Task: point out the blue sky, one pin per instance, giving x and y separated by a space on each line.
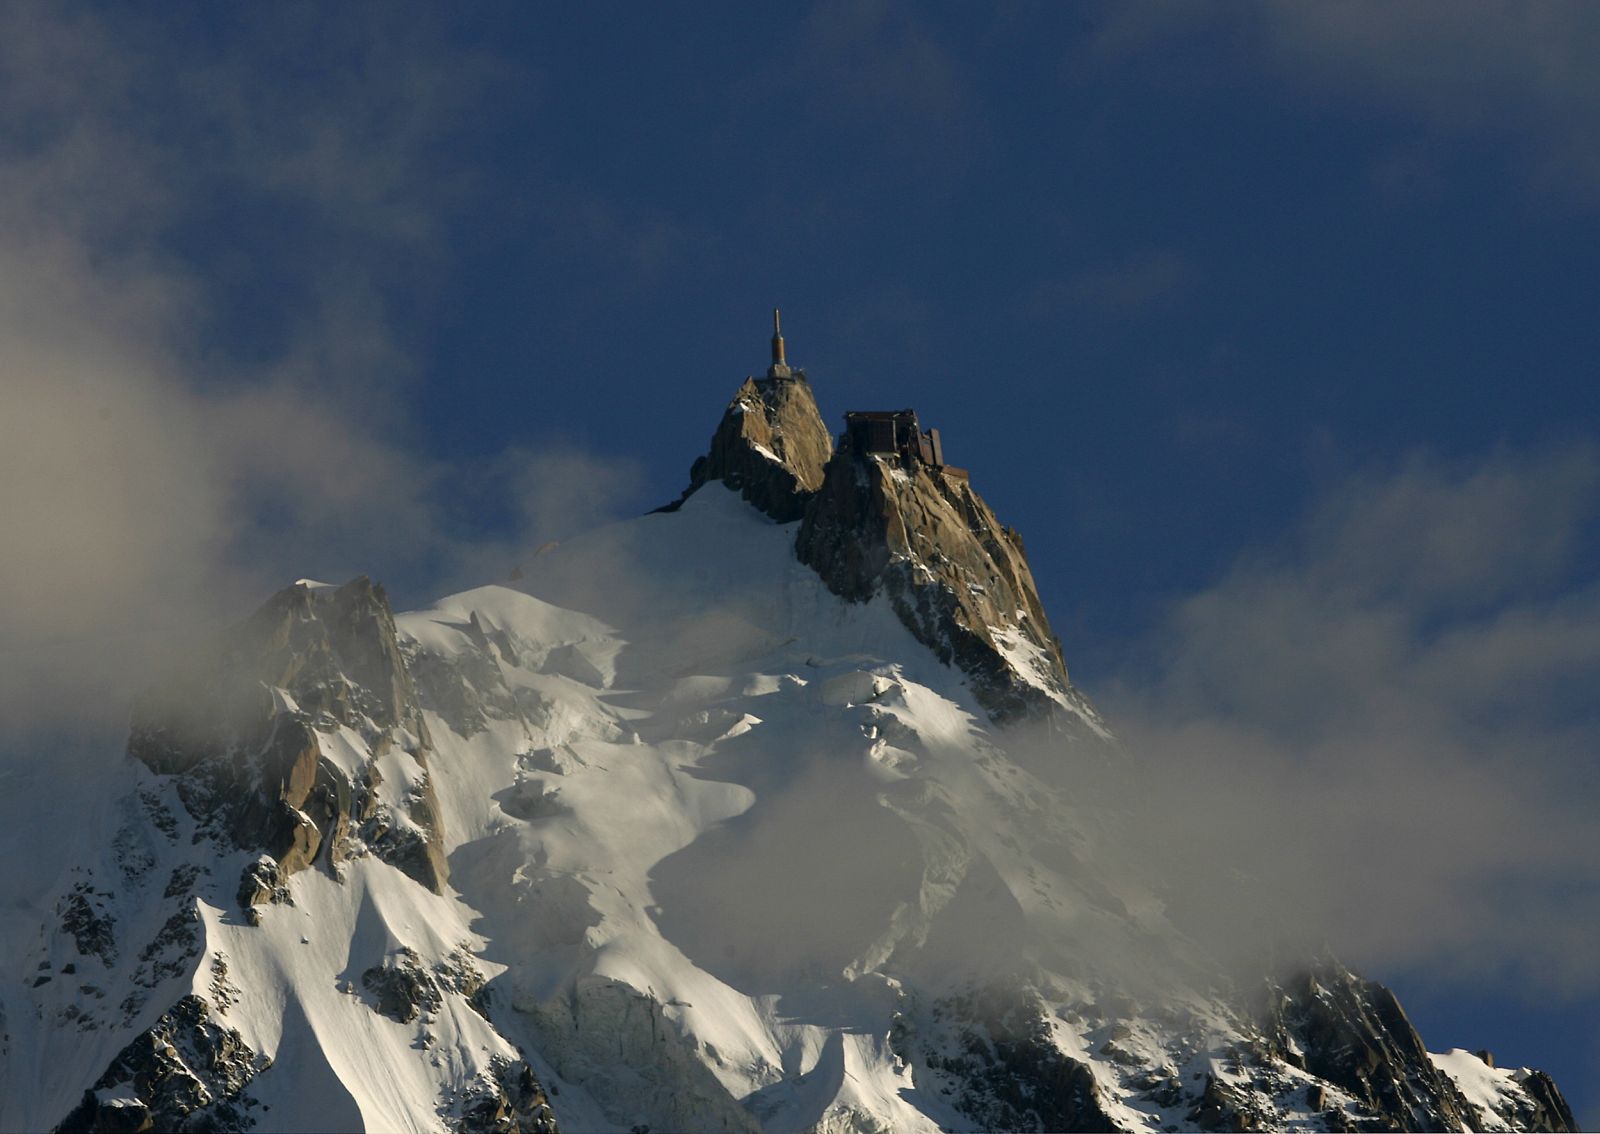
1271 327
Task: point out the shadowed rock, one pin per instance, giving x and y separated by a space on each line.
186 1072
1354 1034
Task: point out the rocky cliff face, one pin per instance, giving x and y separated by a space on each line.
1354 1034
297 740
187 1072
770 446
955 575
1325 1050
255 731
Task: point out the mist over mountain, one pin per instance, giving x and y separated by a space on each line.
773 809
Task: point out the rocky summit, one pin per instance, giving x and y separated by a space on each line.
721 819
771 447
919 534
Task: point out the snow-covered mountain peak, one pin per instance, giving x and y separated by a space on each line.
687 830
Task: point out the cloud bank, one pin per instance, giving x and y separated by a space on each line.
1379 733
190 426
1515 76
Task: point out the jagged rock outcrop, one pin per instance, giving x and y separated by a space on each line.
955 575
512 1103
1546 1108
990 1050
1353 1034
245 727
1222 1107
186 1072
975 965
770 446
403 987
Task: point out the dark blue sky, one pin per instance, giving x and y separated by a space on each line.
1208 298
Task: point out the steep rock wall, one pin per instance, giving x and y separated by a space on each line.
956 576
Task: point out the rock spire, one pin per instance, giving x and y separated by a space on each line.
771 444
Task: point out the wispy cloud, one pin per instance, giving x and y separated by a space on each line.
1517 77
188 426
1385 723
1135 283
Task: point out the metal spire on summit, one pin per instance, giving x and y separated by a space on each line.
779 367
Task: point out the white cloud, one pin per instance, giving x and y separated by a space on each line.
1519 77
1386 721
154 480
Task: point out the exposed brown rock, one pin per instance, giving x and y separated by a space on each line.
512 1103
877 523
770 446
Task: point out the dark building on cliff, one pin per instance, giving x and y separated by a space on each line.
893 432
898 434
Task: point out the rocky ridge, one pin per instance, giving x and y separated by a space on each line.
255 732
186 1072
958 579
1049 1049
298 739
